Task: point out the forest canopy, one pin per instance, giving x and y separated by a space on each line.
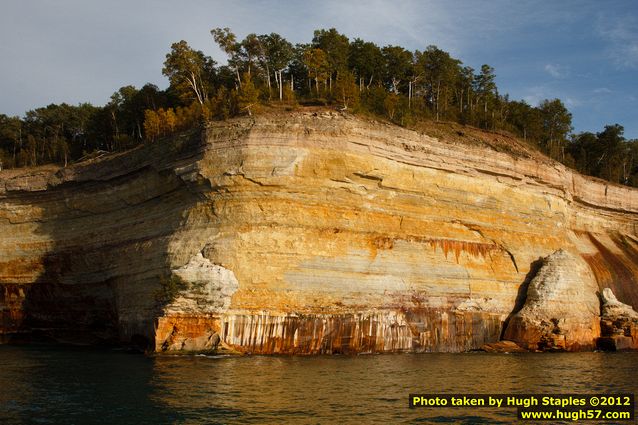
390 82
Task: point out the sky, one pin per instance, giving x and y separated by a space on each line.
582 52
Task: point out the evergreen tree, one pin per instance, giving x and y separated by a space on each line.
366 62
399 68
336 47
557 123
248 95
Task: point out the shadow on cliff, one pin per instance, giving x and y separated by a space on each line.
102 242
615 267
521 295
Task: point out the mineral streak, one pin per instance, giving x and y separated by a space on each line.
301 233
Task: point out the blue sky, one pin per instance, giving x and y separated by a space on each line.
583 52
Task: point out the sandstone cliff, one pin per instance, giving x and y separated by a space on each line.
562 309
300 233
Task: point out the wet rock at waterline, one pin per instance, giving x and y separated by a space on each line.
619 324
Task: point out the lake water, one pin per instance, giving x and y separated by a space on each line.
53 385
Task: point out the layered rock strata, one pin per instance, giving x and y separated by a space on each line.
619 323
562 309
300 233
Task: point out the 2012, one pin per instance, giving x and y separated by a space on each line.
615 401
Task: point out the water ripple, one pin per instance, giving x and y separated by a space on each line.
50 385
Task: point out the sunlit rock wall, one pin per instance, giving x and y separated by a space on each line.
301 233
562 307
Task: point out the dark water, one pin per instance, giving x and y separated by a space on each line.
52 385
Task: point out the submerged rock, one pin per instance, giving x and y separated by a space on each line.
561 311
503 347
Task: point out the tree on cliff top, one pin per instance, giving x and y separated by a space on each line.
227 41
317 63
277 55
248 95
336 47
366 62
189 72
346 91
399 67
557 123
390 82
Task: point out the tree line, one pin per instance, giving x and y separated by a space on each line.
400 85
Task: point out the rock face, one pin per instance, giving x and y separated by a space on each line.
300 233
619 323
562 310
205 294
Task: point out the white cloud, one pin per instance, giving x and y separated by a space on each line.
535 95
622 36
557 71
602 90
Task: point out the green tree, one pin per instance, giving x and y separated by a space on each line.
485 89
587 153
251 52
336 46
248 95
631 177
399 68
189 72
440 73
465 93
316 62
59 131
120 124
557 123
227 41
300 78
614 163
346 91
10 139
366 62
278 53
120 108
525 120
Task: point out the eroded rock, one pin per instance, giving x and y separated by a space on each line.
191 321
619 324
209 288
561 311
